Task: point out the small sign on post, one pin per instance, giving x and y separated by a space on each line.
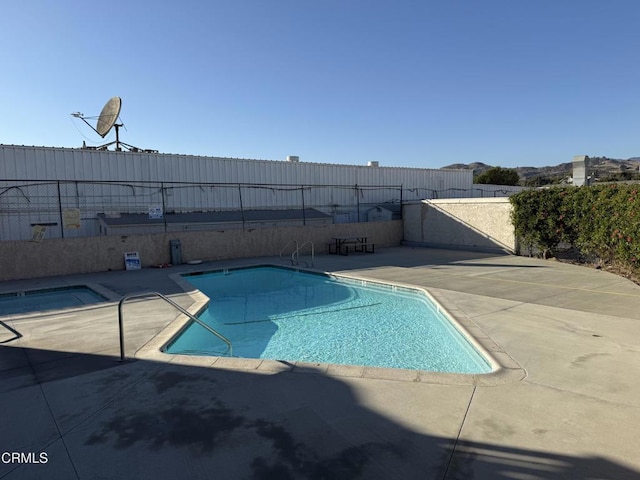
132 261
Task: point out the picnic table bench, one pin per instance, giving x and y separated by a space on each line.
341 245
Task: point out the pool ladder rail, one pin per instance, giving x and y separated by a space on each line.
295 254
171 302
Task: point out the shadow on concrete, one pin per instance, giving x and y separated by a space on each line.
496 265
100 419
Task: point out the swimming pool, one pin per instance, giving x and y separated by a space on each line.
284 314
47 299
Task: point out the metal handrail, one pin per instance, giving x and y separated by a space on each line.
292 254
168 300
297 252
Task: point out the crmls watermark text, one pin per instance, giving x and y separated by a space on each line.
24 457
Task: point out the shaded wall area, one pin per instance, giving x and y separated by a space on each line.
25 259
482 224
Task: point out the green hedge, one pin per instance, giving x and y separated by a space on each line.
601 221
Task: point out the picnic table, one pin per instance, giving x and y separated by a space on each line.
341 245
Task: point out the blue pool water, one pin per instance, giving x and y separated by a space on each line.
283 314
49 299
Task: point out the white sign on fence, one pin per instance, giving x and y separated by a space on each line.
155 212
71 218
38 233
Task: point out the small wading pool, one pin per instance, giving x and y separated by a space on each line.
47 299
283 314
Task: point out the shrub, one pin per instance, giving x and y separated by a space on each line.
601 221
539 218
498 176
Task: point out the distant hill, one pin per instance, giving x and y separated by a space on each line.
601 168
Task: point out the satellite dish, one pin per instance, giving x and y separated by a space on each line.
108 116
106 121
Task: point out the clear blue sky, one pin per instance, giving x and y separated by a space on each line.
407 83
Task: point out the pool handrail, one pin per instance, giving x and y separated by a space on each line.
171 302
297 253
295 242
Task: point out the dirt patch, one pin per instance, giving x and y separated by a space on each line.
574 257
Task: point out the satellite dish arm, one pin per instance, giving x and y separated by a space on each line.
81 117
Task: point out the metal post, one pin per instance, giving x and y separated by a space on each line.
401 202
121 329
60 211
164 212
358 201
241 208
304 218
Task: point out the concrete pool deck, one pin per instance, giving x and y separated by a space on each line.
575 331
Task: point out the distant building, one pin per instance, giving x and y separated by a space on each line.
580 175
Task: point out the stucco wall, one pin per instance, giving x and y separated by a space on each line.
465 223
25 259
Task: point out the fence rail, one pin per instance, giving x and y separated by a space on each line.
36 209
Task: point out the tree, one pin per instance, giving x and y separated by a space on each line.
542 180
499 176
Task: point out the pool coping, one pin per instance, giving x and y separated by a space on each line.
504 368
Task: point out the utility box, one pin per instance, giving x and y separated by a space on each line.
175 250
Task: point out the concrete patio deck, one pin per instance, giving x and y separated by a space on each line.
574 330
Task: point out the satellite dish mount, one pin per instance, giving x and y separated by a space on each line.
106 121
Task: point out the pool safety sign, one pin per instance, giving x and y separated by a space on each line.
132 261
155 212
38 233
71 218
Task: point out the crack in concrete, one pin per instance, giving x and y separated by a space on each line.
455 444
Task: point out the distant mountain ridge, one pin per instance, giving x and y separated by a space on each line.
600 167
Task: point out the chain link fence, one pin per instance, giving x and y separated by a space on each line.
32 210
